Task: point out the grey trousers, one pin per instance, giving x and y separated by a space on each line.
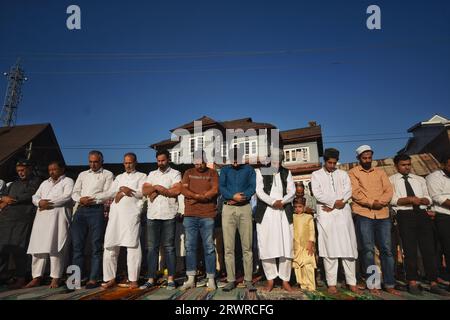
237 218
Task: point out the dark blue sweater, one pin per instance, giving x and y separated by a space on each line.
241 179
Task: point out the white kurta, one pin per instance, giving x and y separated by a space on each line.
50 227
125 216
275 234
336 231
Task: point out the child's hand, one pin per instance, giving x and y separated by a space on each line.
310 248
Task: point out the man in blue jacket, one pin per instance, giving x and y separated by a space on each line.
237 184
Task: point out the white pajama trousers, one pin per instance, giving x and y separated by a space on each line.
40 260
283 271
134 259
331 270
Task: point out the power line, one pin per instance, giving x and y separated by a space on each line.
209 55
121 72
219 54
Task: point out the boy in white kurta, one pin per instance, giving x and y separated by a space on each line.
275 224
336 233
124 224
50 227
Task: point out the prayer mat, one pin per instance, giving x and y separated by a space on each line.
424 296
281 294
115 293
338 296
39 294
426 291
234 294
11 293
362 296
194 294
387 296
74 294
161 294
250 295
317 295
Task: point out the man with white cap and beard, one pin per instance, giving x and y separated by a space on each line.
372 193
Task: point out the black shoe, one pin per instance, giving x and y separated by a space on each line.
230 286
91 285
415 290
436 290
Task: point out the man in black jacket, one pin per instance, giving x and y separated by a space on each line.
16 220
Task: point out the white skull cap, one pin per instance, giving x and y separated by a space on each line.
362 149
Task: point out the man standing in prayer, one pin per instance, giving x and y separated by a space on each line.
90 192
200 187
438 184
162 187
49 236
123 228
410 202
310 201
275 222
237 185
371 194
16 220
336 232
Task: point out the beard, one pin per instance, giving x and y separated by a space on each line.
366 166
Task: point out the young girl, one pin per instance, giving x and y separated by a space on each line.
304 261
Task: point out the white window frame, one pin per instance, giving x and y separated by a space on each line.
175 156
291 155
196 143
248 144
224 150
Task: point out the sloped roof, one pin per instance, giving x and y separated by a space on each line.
301 133
246 123
418 143
14 138
421 164
302 168
206 122
164 143
436 120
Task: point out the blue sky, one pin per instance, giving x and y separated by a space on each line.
139 68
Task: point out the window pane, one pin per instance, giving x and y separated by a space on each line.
224 150
254 147
192 145
199 143
303 154
288 156
247 148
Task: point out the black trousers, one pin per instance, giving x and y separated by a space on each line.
20 259
442 223
416 231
